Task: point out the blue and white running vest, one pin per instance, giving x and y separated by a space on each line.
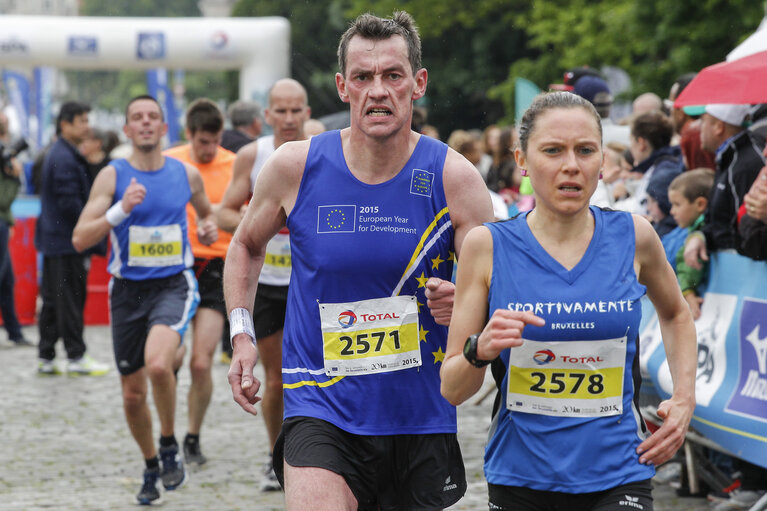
152 242
568 419
361 349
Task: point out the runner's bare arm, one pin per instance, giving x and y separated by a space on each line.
679 340
469 205
92 225
460 379
237 192
207 230
273 198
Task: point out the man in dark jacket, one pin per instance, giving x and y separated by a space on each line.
66 184
738 161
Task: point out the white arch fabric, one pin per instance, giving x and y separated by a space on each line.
258 47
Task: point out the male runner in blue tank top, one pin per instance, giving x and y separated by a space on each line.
141 202
377 214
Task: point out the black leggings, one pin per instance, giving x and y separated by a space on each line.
621 498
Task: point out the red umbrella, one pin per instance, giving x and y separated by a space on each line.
742 81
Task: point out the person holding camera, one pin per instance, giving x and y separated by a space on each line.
9 187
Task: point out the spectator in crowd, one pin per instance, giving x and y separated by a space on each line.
686 123
650 149
503 177
604 196
9 187
752 224
596 91
96 148
658 204
739 159
688 194
647 102
66 184
466 145
490 141
245 117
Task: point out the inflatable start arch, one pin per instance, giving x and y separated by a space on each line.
258 47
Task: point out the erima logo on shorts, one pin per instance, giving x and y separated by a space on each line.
631 502
449 486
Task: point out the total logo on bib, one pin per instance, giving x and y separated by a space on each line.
370 336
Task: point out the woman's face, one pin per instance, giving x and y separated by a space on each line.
563 158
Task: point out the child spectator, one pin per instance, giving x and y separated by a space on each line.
688 194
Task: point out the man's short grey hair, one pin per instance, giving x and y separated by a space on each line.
243 113
374 28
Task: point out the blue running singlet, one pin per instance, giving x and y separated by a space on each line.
568 419
360 348
152 242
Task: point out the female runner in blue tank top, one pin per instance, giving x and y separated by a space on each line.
561 286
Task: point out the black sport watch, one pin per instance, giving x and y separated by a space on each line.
470 352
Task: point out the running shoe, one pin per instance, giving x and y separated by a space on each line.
149 494
23 341
47 367
173 474
269 482
192 453
86 366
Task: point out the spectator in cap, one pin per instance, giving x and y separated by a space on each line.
738 161
245 117
594 89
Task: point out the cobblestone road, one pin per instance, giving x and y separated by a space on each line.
64 444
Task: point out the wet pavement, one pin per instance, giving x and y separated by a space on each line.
64 443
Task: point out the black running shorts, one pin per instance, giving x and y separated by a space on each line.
269 309
138 305
210 279
631 496
387 472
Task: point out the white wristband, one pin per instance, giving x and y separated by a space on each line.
241 322
116 214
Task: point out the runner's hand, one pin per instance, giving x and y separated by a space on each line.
440 295
133 196
663 444
207 231
504 330
244 385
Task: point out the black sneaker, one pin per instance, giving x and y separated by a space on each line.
192 453
173 474
149 493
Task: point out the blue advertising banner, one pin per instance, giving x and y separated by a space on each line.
731 385
17 88
157 85
43 78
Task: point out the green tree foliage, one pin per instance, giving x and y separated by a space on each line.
654 41
315 28
140 8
